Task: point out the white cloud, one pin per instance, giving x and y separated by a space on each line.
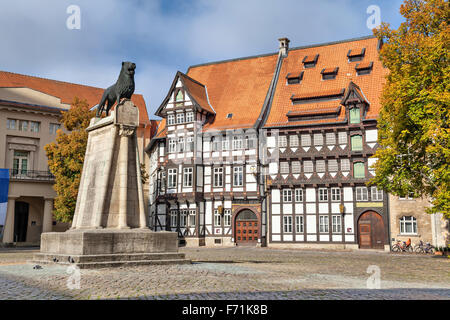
161 37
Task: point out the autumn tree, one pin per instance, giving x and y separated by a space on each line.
66 156
414 133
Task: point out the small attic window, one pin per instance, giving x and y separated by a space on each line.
310 61
294 78
356 55
229 115
329 73
363 68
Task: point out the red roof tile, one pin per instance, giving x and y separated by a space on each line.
65 91
330 55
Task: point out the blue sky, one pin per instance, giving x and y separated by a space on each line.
162 37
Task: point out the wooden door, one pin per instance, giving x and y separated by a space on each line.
246 228
371 231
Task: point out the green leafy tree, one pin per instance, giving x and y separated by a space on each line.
66 156
414 133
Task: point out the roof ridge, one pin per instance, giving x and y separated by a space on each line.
274 53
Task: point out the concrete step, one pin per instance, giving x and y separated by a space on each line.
110 264
108 257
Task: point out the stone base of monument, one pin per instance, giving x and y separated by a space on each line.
109 226
109 248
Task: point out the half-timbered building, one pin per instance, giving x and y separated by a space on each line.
323 120
273 149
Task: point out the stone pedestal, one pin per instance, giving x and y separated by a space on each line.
109 226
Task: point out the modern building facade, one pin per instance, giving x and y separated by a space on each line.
30 110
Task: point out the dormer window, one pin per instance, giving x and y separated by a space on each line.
355 115
294 78
310 61
356 55
363 68
329 73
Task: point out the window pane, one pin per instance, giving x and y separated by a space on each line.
357 143
358 170
354 115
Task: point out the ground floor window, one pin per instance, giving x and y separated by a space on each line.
173 218
408 225
192 216
287 223
337 224
183 218
299 225
227 217
217 218
323 224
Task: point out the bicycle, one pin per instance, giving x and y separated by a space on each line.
427 248
402 247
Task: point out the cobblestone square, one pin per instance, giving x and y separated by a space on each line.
237 273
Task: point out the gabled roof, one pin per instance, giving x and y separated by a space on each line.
238 87
65 91
332 55
196 91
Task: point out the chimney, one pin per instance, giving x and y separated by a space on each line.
284 46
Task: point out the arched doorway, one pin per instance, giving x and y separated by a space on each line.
371 231
247 228
20 221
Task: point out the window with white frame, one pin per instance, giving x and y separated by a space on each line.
170 119
192 217
237 143
376 194
183 218
287 195
408 225
298 195
287 224
336 224
190 143
362 194
284 167
217 219
293 140
282 141
323 194
238 176
227 217
330 138
410 196
345 165
296 167
335 194
299 224
189 116
173 218
306 140
180 145
215 142
35 126
218 177
225 144
342 136
250 142
323 224
172 178
308 166
172 145
180 117
318 139
320 166
187 177
332 165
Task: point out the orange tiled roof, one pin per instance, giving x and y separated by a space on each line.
354 53
330 55
310 58
66 91
238 87
318 94
364 65
197 91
